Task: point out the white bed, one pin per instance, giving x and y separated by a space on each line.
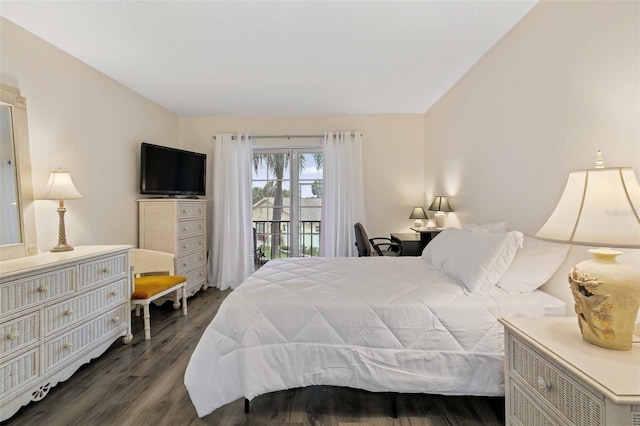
378 324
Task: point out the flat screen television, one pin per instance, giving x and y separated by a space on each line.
171 172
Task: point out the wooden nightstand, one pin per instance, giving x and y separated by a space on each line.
554 377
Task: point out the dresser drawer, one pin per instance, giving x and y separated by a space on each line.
574 402
191 261
101 270
18 371
19 333
191 244
525 411
190 228
66 346
70 311
190 210
196 276
26 292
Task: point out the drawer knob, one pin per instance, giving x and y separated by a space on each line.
184 210
543 384
200 242
184 264
184 228
105 270
199 210
116 319
67 345
43 289
113 293
68 312
200 226
184 246
13 335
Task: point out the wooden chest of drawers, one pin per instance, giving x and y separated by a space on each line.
554 377
57 312
177 226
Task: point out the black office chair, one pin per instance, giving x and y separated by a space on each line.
364 244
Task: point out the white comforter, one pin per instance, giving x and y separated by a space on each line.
379 324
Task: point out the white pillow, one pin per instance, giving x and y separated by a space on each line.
491 227
476 259
533 266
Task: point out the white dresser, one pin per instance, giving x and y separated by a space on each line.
57 312
554 377
177 226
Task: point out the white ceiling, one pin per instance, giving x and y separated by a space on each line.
245 58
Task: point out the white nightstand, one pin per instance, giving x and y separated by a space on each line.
554 377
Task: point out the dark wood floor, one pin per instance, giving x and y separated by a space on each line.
142 384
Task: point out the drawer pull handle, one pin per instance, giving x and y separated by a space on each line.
68 312
542 384
43 289
105 270
13 335
67 345
116 319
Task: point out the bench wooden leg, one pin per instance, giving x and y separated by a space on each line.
184 300
147 323
246 406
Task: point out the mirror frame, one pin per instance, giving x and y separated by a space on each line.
28 244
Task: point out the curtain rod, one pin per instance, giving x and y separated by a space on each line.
287 136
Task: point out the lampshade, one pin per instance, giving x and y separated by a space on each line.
599 207
418 213
59 187
440 204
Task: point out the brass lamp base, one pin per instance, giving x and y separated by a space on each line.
65 247
607 297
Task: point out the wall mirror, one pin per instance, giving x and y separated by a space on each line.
17 216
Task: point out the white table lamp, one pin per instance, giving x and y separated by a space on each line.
599 207
418 214
60 187
441 206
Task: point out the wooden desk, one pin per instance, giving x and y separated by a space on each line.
426 234
410 243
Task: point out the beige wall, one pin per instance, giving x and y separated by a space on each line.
86 123
393 150
562 84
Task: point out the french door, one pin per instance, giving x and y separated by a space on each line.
287 201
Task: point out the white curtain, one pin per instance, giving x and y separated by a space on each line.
343 193
231 259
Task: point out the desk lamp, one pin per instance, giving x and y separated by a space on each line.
418 214
441 206
60 187
599 207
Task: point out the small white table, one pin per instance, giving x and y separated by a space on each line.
554 377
